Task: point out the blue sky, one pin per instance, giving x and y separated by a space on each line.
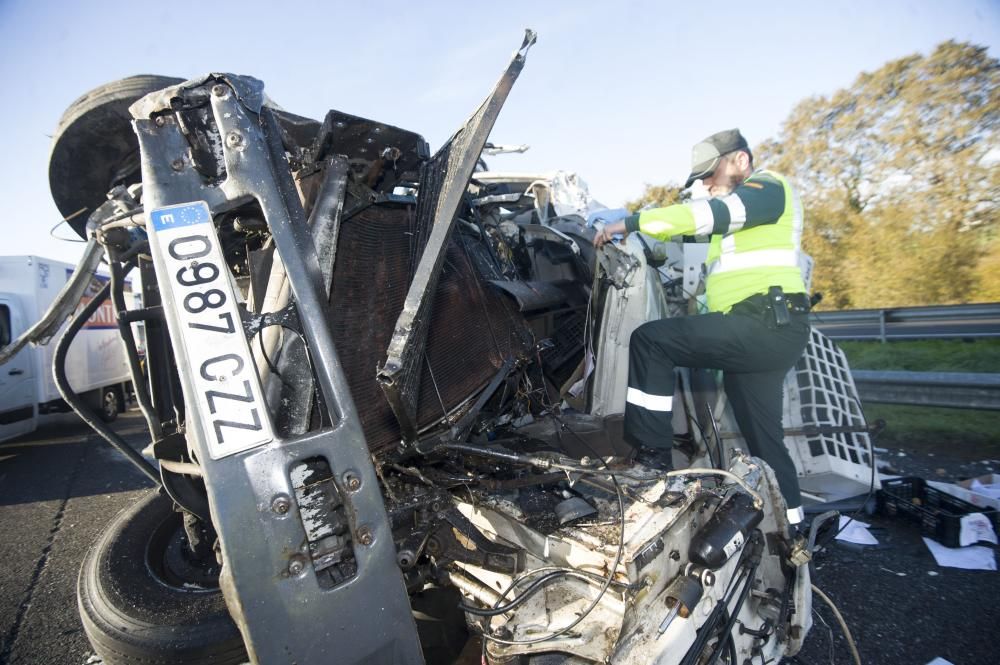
617 92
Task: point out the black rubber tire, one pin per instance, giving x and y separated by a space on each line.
109 403
132 616
93 142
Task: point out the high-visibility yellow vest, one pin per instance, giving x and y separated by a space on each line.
756 236
752 260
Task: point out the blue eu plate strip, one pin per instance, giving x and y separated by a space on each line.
184 214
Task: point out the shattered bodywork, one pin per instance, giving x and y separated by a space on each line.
370 377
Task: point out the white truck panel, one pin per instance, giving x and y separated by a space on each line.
97 356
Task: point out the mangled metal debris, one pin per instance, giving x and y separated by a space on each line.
320 293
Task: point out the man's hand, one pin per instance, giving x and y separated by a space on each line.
609 230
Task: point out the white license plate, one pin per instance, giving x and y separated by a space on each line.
215 358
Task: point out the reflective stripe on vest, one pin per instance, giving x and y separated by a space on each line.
759 258
746 261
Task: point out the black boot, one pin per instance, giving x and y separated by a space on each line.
659 459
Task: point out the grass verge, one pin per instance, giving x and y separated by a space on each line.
962 433
932 355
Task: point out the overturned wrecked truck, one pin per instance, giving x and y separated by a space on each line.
359 367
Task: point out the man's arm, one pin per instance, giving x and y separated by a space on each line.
759 200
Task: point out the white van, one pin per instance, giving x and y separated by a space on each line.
97 366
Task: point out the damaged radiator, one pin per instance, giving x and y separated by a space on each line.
471 331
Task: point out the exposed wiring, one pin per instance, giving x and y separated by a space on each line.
708 628
757 499
687 397
593 577
267 359
120 216
122 224
843 624
586 612
139 384
829 632
64 220
552 573
500 608
532 589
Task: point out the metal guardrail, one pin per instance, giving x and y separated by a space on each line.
973 321
950 389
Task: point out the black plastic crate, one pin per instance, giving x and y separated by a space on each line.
939 514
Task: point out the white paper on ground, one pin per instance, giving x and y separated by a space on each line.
855 532
940 661
976 527
974 557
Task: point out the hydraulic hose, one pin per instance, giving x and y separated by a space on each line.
749 560
125 330
77 404
727 630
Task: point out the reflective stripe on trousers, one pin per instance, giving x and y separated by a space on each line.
647 401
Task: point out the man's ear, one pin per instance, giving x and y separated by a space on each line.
742 161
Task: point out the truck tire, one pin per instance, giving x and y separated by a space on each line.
94 146
109 403
142 605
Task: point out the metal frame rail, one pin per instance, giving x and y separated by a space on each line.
934 322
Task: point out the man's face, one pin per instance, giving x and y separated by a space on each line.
732 170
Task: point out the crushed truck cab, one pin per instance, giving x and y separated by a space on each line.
385 407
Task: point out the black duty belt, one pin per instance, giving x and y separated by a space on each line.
797 302
774 308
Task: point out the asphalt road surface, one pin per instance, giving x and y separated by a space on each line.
60 486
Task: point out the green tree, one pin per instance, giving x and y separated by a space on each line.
899 175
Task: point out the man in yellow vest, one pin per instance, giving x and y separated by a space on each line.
757 325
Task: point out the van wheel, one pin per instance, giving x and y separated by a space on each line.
110 404
144 600
94 147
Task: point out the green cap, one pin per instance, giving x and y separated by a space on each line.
706 153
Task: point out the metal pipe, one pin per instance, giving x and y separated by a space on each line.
758 501
62 307
77 404
473 588
125 330
186 468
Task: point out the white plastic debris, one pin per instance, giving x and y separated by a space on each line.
974 557
976 527
855 532
992 490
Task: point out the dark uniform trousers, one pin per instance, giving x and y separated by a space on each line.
754 355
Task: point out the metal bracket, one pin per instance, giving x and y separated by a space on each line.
271 585
443 183
286 317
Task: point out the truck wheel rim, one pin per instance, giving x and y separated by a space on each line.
110 403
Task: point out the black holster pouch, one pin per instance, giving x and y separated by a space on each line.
779 306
